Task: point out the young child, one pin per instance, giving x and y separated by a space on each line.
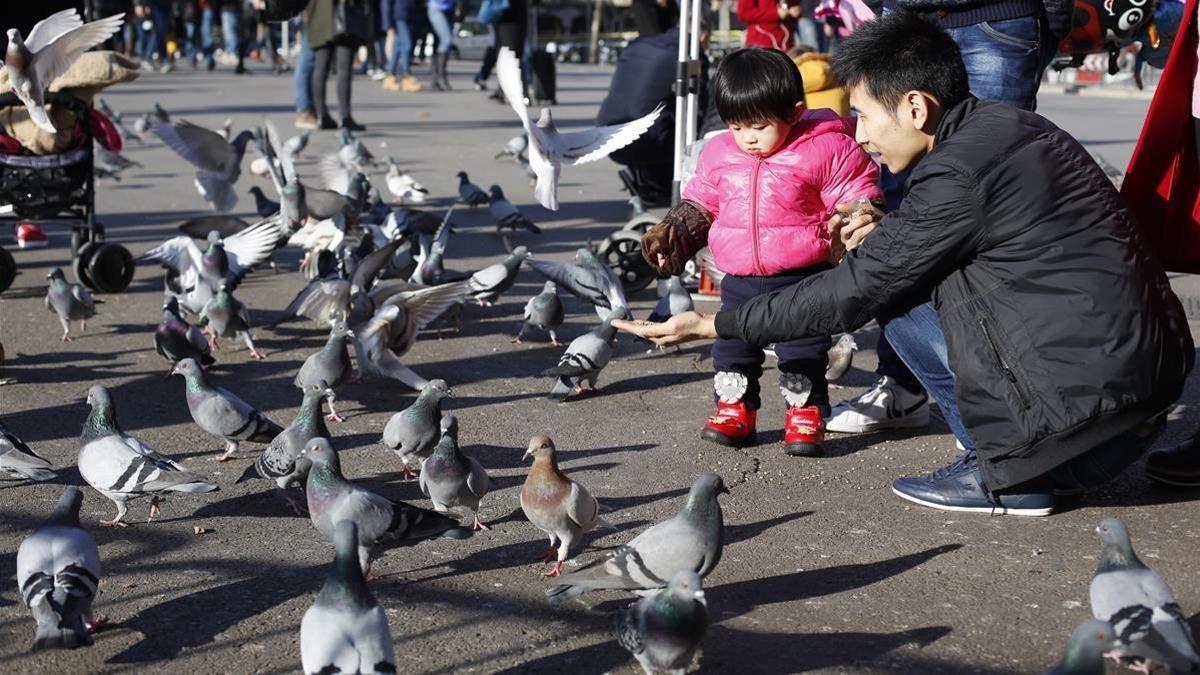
768 188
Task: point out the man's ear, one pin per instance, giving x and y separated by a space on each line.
920 110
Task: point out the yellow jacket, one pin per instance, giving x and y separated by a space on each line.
820 90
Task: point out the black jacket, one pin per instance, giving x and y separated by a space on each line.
1061 327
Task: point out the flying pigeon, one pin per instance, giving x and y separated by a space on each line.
392 331
52 46
195 275
413 432
589 280
345 630
58 572
222 414
227 317
176 339
218 162
329 367
1086 647
664 630
281 462
691 541
122 467
113 163
555 504
549 149
19 461
452 480
486 285
544 311
71 302
471 194
586 356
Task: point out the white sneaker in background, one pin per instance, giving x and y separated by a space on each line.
886 405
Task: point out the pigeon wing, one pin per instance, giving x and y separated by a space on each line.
581 147
54 58
251 246
178 253
203 148
51 27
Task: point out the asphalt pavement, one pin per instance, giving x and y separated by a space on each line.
824 570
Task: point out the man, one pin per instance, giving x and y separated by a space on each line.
1064 339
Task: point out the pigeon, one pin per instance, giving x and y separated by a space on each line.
392 331
218 161
222 414
664 630
840 357
486 285
338 297
294 145
227 317
71 302
585 357
515 147
555 504
33 62
264 206
195 275
1149 624
1085 649
176 339
281 461
381 521
160 114
588 280
329 367
507 215
110 162
402 185
430 269
225 226
345 630
452 480
142 125
122 467
471 194
691 541
58 572
353 152
413 432
544 311
116 118
226 129
676 301
549 149
19 461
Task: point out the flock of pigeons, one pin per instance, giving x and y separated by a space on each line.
376 276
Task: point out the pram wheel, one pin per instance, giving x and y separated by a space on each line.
622 251
641 223
80 263
8 270
111 268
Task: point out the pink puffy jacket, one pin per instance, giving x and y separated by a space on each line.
770 213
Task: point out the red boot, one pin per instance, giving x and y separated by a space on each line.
732 425
804 432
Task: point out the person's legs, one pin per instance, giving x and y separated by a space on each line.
1003 59
230 30
345 66
738 367
439 21
808 33
207 41
322 59
302 78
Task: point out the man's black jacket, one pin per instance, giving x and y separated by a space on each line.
1061 327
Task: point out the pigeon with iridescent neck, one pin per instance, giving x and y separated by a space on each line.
555 504
486 285
329 367
1086 647
587 355
453 481
663 631
71 302
282 462
227 317
176 339
222 414
544 311
413 432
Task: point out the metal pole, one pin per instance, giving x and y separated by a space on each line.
283 34
681 77
693 99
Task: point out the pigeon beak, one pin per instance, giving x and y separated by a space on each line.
699 595
724 490
526 455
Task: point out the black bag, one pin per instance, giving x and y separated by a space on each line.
279 10
351 23
542 88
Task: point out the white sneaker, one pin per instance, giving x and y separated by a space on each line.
887 405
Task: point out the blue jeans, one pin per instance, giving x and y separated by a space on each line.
206 33
1004 59
809 32
400 62
302 77
229 28
439 21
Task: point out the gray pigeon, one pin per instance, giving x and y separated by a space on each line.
227 317
555 504
486 285
841 356
264 206
691 541
507 215
413 432
515 147
122 467
176 339
544 311
392 331
585 357
664 630
345 630
58 571
110 162
588 280
1149 624
329 367
218 162
676 301
452 480
471 194
281 461
19 461
71 302
52 46
381 521
222 414
1086 647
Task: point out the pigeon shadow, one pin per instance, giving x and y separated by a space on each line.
603 657
726 649
739 533
614 504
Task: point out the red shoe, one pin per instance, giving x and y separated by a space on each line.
30 236
804 432
732 425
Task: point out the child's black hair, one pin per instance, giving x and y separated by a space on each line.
902 52
757 85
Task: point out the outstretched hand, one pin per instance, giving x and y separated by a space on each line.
680 328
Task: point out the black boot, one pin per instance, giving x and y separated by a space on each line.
444 69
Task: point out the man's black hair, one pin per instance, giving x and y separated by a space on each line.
757 85
902 52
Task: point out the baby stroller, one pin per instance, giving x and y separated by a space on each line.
62 186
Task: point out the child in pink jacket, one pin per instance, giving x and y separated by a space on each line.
769 185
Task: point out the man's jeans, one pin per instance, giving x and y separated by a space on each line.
302 77
400 63
230 29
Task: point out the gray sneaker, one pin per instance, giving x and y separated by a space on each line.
306 120
886 405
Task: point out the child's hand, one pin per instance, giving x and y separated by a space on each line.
849 226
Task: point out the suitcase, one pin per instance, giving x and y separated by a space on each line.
542 89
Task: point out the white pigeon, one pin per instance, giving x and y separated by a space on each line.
549 149
403 186
218 161
194 276
35 61
392 331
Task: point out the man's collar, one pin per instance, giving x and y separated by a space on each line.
953 118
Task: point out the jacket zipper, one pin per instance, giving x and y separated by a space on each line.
1012 378
754 215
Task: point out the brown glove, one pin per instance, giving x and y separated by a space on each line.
680 235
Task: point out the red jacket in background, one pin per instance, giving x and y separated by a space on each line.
1162 184
764 28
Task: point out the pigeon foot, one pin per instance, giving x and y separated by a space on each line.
154 510
555 571
478 524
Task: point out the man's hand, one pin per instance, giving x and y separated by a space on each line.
849 226
680 328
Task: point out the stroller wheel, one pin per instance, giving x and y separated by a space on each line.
111 268
8 270
640 223
622 251
80 264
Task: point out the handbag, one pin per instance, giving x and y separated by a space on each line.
490 10
351 24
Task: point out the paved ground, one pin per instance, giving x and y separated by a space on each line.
824 569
